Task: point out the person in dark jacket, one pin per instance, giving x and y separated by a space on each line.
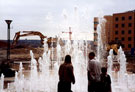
66 75
6 69
105 80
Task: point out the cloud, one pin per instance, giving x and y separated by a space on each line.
49 16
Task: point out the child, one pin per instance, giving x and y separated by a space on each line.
105 80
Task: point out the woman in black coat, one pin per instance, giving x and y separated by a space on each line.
66 75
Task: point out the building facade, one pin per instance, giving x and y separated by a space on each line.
95 31
120 29
124 29
107 28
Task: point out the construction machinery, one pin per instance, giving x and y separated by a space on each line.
27 33
114 47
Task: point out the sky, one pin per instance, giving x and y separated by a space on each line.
52 17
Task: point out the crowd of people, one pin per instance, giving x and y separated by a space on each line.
98 79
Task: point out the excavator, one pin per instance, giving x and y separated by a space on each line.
115 44
27 33
114 47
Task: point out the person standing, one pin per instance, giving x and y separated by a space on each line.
105 80
93 73
66 75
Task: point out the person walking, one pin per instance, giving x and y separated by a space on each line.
66 75
93 73
105 80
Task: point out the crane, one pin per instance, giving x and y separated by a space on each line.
70 33
27 33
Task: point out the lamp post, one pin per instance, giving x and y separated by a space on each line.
8 38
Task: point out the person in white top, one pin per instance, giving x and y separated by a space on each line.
93 73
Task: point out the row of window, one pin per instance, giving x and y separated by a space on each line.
117 25
123 32
95 22
123 39
129 46
123 25
123 18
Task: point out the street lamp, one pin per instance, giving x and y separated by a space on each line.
8 38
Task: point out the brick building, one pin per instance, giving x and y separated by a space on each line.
95 30
120 28
108 29
124 29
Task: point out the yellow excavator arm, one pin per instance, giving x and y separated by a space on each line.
27 33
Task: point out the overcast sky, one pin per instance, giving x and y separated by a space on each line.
51 17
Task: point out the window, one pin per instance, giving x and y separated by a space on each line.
116 19
123 25
122 32
116 25
95 40
116 39
130 17
129 38
95 22
129 31
129 45
123 46
123 18
95 34
116 32
122 38
130 25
